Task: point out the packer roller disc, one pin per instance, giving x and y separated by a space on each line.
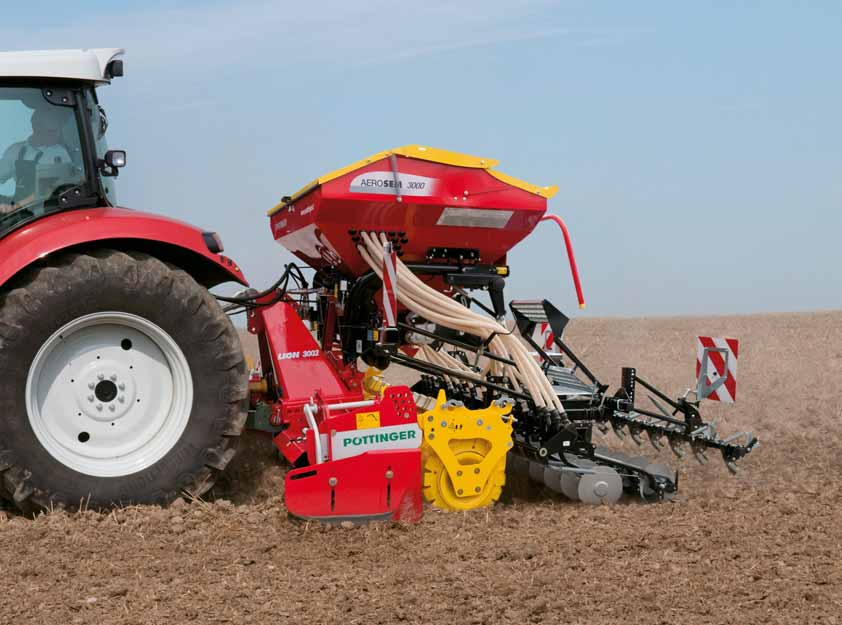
604 486
552 478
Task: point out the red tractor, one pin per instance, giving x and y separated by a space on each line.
125 380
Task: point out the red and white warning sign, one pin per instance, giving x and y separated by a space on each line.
543 335
716 368
390 286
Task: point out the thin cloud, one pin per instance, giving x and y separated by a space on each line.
270 33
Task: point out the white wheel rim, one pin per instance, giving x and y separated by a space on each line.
109 394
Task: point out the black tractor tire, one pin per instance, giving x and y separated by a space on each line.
68 287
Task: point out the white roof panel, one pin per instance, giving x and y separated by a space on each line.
76 64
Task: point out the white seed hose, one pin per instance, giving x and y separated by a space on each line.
438 308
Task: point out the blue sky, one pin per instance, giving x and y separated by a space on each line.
698 149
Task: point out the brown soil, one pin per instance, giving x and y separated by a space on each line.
763 547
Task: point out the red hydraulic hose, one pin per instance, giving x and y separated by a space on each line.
570 256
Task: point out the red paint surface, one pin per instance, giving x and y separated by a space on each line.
316 227
65 229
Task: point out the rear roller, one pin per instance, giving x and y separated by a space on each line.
603 486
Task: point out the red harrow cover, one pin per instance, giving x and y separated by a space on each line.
401 243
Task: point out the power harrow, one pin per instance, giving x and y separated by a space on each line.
400 243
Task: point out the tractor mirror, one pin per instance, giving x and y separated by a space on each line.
113 161
115 158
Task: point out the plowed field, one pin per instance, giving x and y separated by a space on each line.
762 547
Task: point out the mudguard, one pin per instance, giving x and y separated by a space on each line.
118 228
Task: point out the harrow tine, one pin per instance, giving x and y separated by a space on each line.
732 466
618 431
699 453
635 435
655 439
676 446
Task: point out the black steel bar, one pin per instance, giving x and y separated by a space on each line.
420 365
657 415
459 344
569 353
651 388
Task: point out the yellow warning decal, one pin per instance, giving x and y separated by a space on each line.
367 420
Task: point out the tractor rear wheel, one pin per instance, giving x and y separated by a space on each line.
123 382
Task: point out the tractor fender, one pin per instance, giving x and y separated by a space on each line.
117 228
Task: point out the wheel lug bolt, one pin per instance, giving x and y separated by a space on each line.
121 386
90 398
121 399
113 377
91 385
100 376
112 407
99 406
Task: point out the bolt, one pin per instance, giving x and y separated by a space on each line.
90 398
477 489
112 407
121 386
100 376
431 436
99 406
458 474
121 399
444 424
459 492
430 418
333 481
476 470
479 421
389 474
91 385
113 377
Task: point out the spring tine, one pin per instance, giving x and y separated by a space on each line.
732 466
602 427
635 436
655 439
699 453
618 431
676 447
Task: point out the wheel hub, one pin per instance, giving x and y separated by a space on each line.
104 390
109 394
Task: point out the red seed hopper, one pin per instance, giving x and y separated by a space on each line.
433 204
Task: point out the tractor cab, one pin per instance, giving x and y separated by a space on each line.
53 150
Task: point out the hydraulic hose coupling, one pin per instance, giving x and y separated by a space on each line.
556 421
